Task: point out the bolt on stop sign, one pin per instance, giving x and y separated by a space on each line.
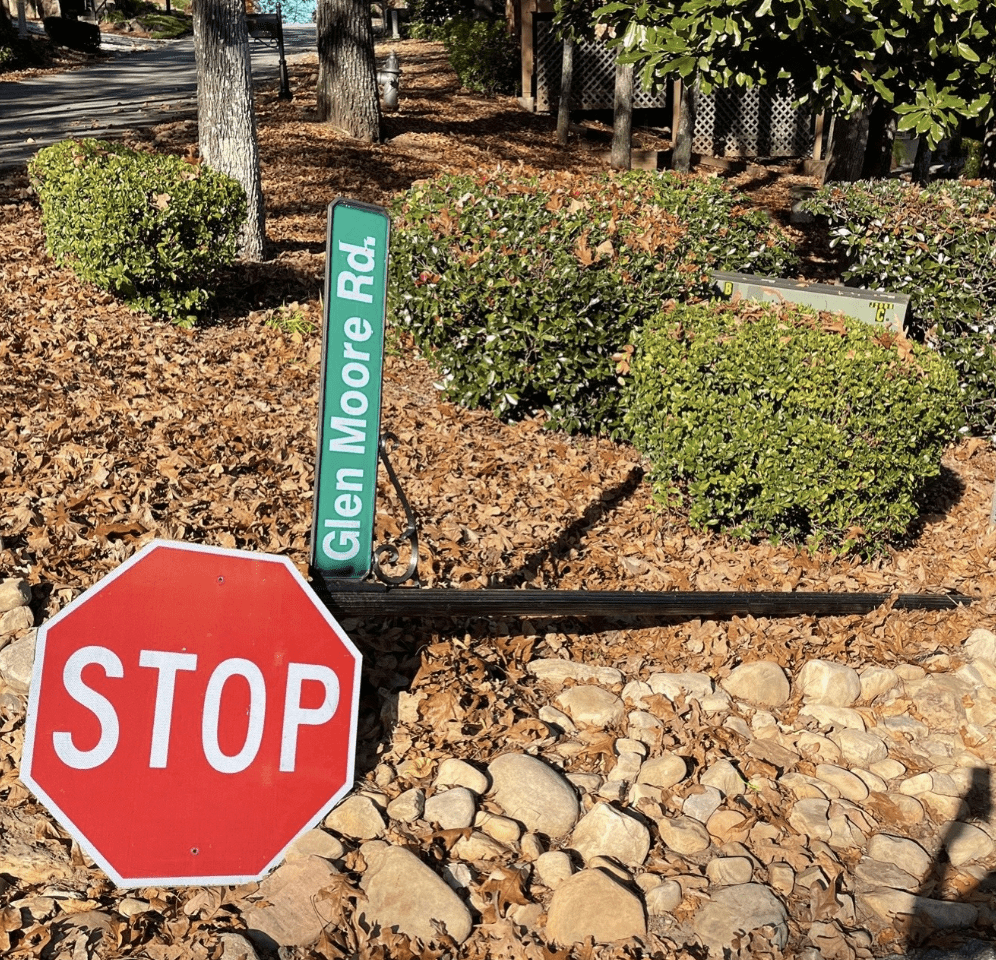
191 715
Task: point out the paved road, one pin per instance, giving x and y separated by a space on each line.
146 82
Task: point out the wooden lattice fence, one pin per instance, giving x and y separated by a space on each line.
728 123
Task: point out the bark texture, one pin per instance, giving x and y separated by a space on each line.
622 119
681 160
848 144
989 151
347 72
566 92
881 136
226 117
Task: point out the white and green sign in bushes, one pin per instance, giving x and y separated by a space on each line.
349 405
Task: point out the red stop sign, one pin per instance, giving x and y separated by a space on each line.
191 715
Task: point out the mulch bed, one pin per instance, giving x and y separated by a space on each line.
115 429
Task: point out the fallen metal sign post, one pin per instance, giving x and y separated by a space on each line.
370 600
343 558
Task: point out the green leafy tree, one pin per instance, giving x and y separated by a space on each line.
930 62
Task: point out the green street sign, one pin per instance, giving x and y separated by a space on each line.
356 253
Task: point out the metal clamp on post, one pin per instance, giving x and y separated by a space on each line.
388 553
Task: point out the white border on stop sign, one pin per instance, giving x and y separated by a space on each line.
35 692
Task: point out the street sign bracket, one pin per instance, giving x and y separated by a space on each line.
389 553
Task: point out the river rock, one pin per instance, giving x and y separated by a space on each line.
403 894
592 705
592 904
877 681
833 684
725 778
663 898
701 803
693 686
762 682
14 593
358 818
980 645
664 771
557 672
284 911
553 868
966 843
451 809
316 843
906 854
530 791
408 806
458 773
729 871
684 835
809 817
932 914
20 618
738 910
859 748
846 783
17 660
827 715
607 832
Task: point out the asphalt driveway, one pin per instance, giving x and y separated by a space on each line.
145 83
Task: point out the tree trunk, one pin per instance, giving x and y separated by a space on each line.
988 170
566 90
226 118
846 159
921 163
681 159
881 137
622 119
347 72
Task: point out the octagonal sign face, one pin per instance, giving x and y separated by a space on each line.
191 715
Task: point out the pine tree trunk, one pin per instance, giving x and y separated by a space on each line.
988 170
226 118
347 72
622 120
681 160
566 90
881 137
921 163
848 145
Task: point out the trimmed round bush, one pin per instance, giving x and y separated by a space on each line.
521 289
775 421
150 228
938 244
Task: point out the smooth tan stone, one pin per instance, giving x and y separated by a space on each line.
592 904
683 835
740 909
727 825
282 909
607 832
315 843
944 809
663 772
833 684
902 852
725 778
762 682
358 818
479 846
877 681
888 769
664 898
781 877
556 671
966 843
532 792
14 593
727 871
850 786
405 894
593 706
501 829
553 868
458 773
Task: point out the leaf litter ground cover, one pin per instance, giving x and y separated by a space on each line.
115 429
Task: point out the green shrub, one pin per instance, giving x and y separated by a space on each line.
483 54
152 229
426 17
520 290
774 421
937 244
